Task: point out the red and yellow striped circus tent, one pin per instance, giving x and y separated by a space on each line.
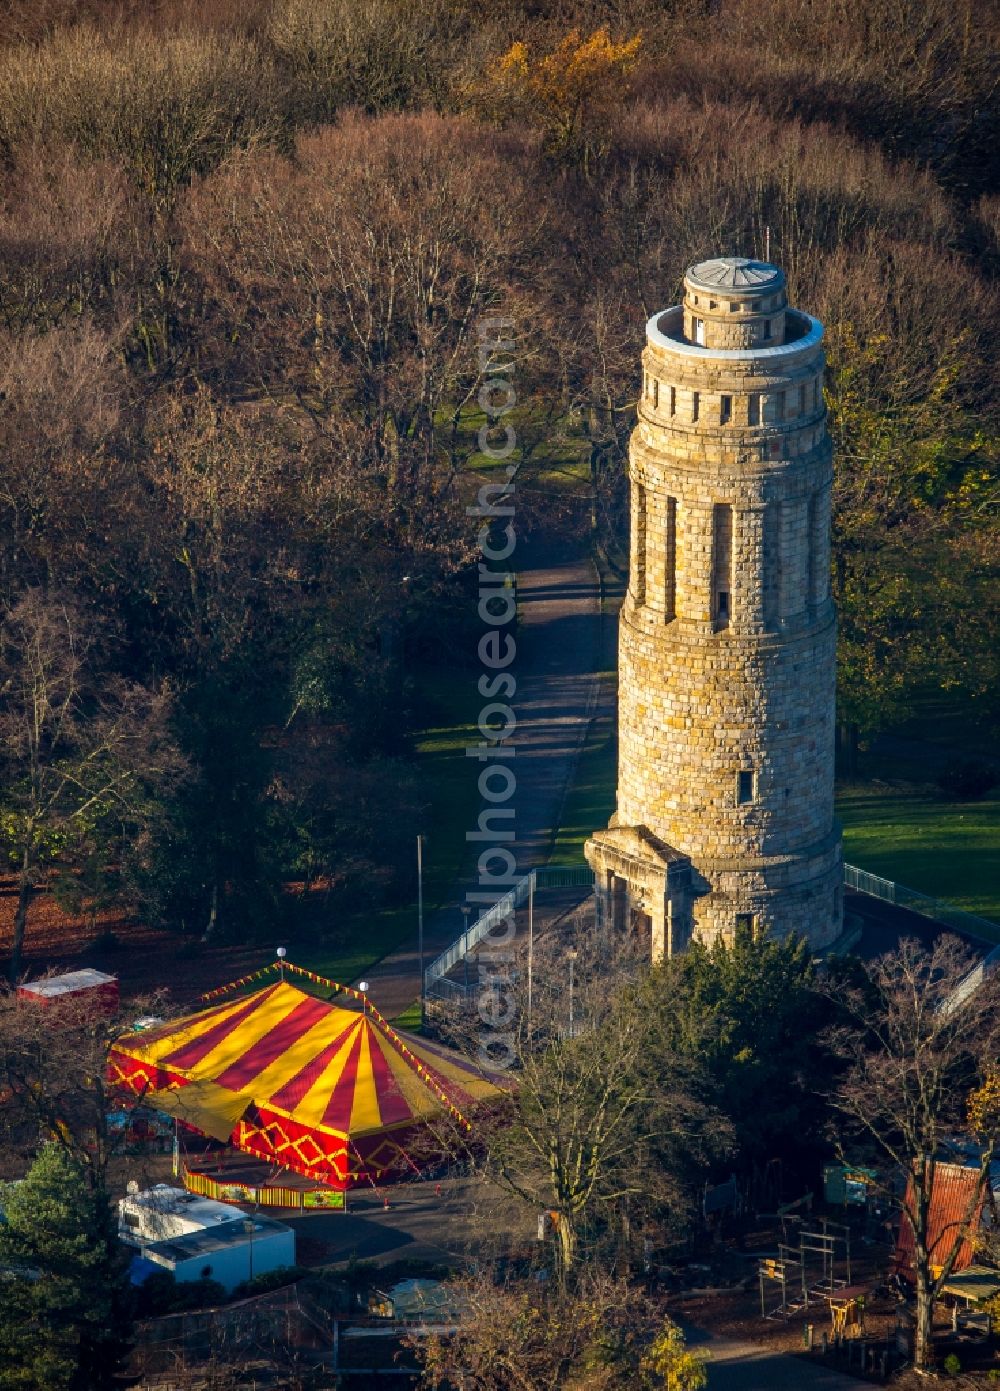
335 1094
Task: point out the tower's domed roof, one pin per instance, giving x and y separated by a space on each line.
736 273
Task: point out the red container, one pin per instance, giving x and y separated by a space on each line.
90 985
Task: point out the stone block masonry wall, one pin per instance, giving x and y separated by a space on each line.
727 638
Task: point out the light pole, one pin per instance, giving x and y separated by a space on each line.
531 946
571 956
363 987
281 954
420 926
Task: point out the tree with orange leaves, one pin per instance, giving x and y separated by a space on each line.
570 90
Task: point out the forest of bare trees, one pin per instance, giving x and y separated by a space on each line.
243 247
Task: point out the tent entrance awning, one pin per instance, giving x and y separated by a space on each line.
975 1283
207 1107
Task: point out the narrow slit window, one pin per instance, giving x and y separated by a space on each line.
753 409
777 528
767 328
744 787
670 561
782 404
656 393
722 563
639 543
725 409
695 404
673 400
802 399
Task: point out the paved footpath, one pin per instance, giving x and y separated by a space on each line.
740 1366
559 655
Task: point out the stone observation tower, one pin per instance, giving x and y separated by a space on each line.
726 686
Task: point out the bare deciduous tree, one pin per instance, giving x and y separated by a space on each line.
917 1050
54 1078
592 1136
80 749
524 1337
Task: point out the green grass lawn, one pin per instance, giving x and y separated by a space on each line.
409 1019
563 464
950 850
591 797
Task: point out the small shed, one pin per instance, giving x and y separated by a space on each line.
416 1301
953 1217
88 984
975 1284
230 1254
194 1237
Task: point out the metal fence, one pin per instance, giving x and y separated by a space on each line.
551 877
564 877
439 986
473 935
971 982
924 904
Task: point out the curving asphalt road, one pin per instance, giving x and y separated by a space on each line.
740 1366
559 689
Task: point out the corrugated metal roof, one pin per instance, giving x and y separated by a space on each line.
87 979
735 273
952 1191
977 1283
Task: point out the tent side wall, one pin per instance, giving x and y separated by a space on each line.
325 1157
139 1075
301 1148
